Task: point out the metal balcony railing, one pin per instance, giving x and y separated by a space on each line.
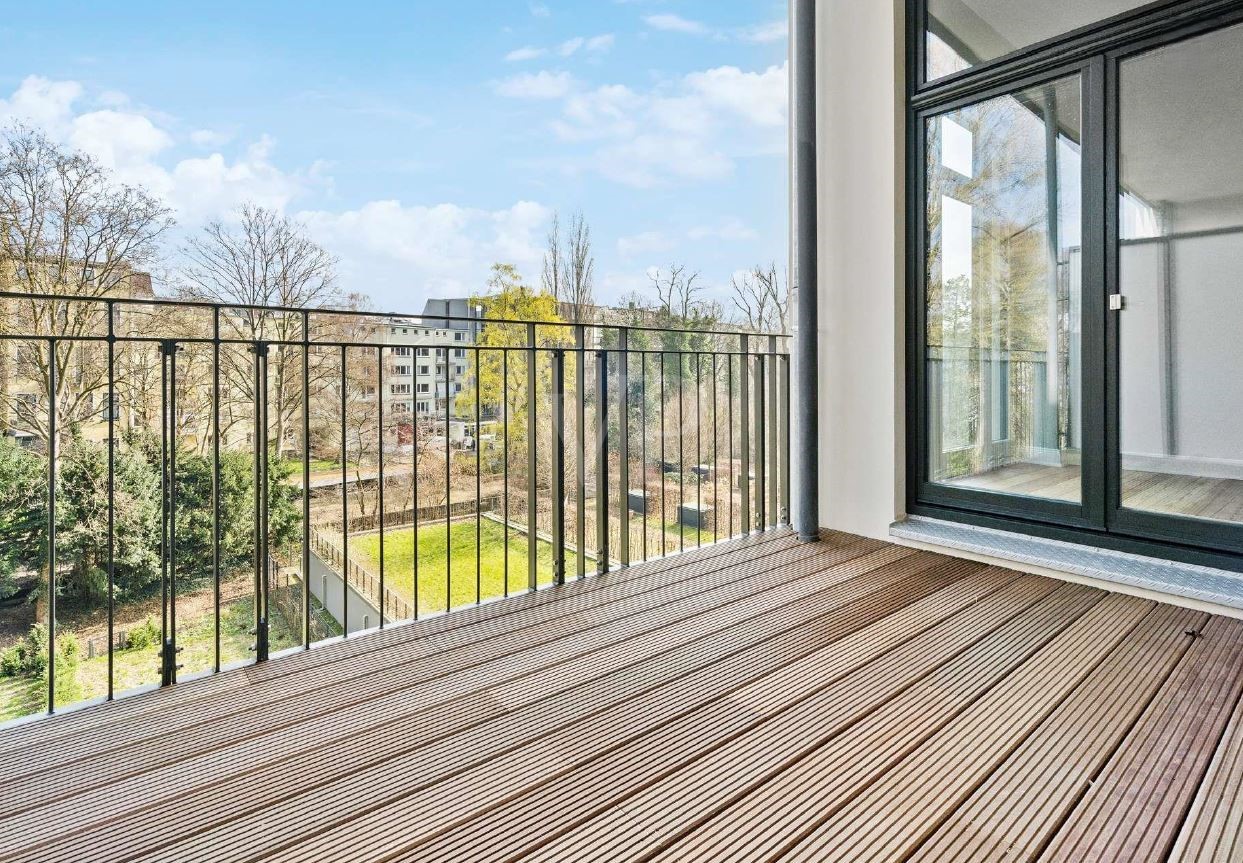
292 490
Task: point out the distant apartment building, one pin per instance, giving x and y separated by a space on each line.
22 386
430 358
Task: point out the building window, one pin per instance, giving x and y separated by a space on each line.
964 33
425 388
402 371
425 370
401 352
401 389
1003 275
424 352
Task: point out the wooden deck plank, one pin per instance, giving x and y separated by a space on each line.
305 758
1213 831
430 669
684 815
758 700
1136 808
478 623
117 724
491 789
374 801
900 808
1015 810
866 669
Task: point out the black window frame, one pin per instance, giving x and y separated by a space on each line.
1094 52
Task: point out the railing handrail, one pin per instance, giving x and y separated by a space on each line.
388 317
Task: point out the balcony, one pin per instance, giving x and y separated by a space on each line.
759 699
611 590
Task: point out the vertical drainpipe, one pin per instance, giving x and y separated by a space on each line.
806 488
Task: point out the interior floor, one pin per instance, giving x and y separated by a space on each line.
1172 494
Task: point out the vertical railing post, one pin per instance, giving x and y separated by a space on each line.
448 491
532 464
380 510
478 483
263 571
774 436
345 501
306 480
580 447
602 462
52 448
557 457
623 443
504 466
215 487
744 423
112 496
168 526
761 436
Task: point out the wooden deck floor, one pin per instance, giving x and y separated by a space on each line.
760 700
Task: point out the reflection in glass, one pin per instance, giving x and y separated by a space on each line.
964 33
1181 267
1003 289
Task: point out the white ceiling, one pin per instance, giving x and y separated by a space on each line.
1182 120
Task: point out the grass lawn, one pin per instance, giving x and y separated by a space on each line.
22 696
399 562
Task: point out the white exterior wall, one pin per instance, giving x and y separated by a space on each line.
861 132
409 334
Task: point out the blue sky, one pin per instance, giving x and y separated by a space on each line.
421 141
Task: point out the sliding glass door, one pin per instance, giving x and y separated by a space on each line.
1076 232
1004 279
1180 286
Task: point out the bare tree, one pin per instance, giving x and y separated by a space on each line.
553 278
570 268
265 260
67 229
761 300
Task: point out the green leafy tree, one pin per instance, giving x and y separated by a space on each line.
510 298
82 523
23 522
237 531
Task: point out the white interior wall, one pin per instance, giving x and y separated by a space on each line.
860 79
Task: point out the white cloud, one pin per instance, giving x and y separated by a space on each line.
590 45
601 43
692 128
519 55
42 103
760 98
137 146
540 10
393 250
388 250
208 138
536 85
772 31
672 23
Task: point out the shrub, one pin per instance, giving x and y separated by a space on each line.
29 657
142 636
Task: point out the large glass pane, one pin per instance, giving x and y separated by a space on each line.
1181 269
963 33
1004 271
